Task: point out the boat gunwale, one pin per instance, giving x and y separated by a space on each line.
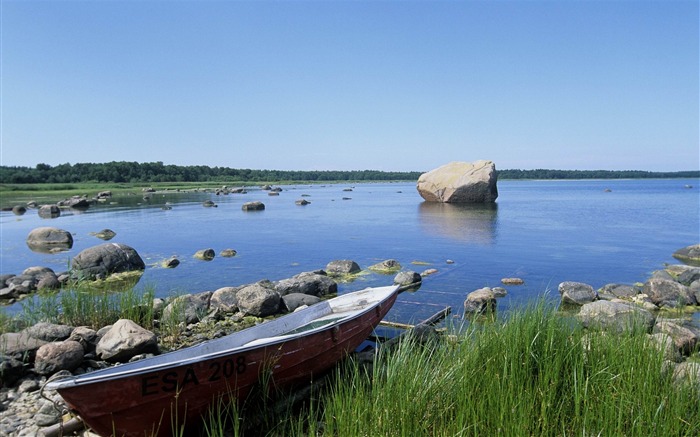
112 373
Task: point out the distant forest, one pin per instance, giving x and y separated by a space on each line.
134 172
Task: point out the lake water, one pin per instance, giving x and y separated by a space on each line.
544 232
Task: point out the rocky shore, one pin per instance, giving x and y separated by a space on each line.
37 353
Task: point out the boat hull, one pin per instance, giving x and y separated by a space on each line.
160 401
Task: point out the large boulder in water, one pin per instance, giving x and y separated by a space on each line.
460 182
100 261
47 238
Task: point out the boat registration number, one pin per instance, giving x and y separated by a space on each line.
177 379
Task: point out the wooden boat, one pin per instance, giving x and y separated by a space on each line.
158 395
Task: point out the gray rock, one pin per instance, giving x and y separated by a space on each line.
664 343
105 234
100 261
224 299
205 254
64 355
124 340
408 277
47 238
19 210
171 263
668 293
12 343
689 276
460 182
687 372
615 316
387 266
576 293
689 255
684 339
342 267
259 299
49 331
617 291
11 370
253 206
228 253
49 211
188 308
47 414
480 301
292 301
302 202
87 338
310 283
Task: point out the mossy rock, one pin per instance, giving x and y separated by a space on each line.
689 255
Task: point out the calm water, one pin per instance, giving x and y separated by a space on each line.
544 232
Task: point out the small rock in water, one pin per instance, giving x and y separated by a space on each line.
512 281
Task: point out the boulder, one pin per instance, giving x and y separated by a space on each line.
689 255
19 210
407 278
615 316
46 238
342 267
11 370
55 356
576 293
309 283
480 301
49 211
668 293
105 234
387 266
292 301
12 343
253 206
124 340
684 339
259 299
78 202
617 291
228 253
49 331
171 263
224 299
460 182
87 338
205 254
100 261
188 308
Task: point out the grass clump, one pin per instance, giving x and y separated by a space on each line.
534 373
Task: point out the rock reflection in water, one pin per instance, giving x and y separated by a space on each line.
470 223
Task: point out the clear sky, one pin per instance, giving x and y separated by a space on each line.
382 85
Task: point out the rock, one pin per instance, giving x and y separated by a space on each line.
224 299
105 234
664 343
668 293
228 253
55 356
49 331
259 299
11 369
688 276
124 340
19 210
617 291
19 343
47 238
205 254
310 283
78 202
428 272
253 206
292 301
615 316
689 255
342 267
687 372
49 211
386 267
684 339
512 281
87 338
460 182
302 202
104 194
188 308
480 301
576 293
100 261
47 414
499 292
408 277
209 204
171 263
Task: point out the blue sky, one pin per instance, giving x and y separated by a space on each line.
387 85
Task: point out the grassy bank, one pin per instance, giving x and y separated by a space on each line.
532 375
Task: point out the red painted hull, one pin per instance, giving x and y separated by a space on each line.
153 402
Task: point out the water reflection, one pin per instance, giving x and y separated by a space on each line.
470 223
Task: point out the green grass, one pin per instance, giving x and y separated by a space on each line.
534 374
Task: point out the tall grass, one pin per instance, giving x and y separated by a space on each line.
85 306
532 374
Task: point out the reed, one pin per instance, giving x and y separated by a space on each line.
533 373
85 306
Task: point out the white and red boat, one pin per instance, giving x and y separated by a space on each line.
151 396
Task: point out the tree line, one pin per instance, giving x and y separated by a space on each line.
148 172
